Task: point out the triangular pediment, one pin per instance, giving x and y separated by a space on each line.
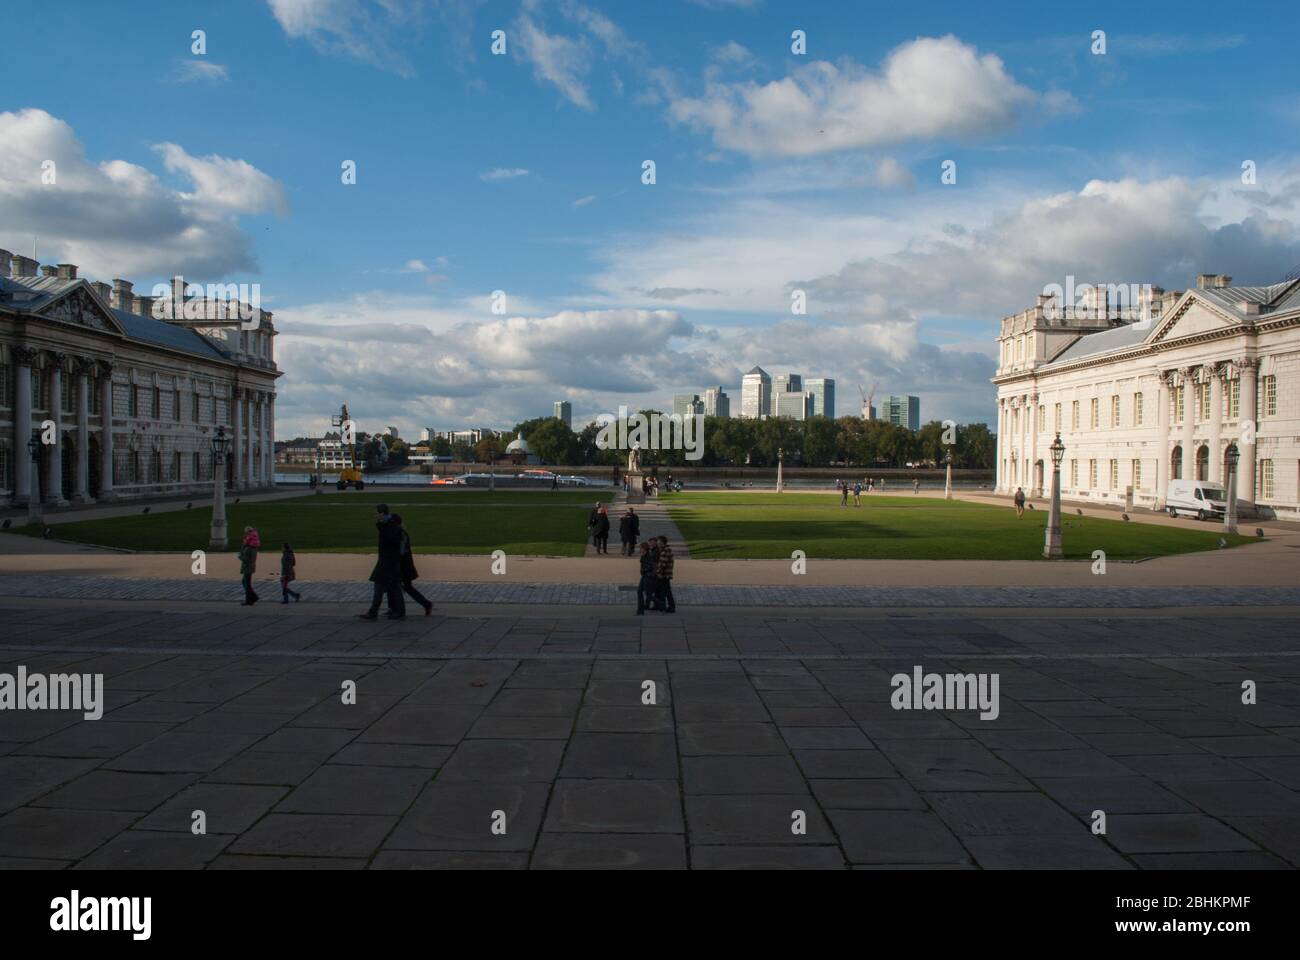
81 308
1191 317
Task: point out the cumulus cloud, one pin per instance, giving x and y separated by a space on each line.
115 218
196 71
928 88
561 61
1123 231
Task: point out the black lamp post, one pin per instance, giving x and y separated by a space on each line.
35 512
1230 508
220 447
1052 545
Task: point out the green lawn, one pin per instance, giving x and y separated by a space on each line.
770 525
539 523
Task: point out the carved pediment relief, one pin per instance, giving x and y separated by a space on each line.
80 308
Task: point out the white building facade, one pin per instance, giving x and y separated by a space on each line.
1159 394
123 404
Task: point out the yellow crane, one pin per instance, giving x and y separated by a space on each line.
350 474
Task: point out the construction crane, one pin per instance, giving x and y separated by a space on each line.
349 474
867 400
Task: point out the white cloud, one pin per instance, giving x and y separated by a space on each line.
196 70
561 61
503 173
583 201
115 218
928 88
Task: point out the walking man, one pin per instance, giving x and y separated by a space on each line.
844 494
645 588
1020 502
629 530
387 574
288 574
857 493
664 577
409 573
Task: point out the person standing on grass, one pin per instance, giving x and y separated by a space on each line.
916 487
1020 502
629 528
647 585
409 573
387 574
288 574
664 577
857 493
844 494
248 564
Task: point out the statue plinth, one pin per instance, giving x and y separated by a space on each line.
635 491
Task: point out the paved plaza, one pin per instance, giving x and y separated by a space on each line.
544 736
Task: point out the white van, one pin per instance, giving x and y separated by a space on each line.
1200 498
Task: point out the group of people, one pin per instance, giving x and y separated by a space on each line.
249 548
655 590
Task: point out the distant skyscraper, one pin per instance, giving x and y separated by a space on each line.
785 383
755 393
716 403
687 404
427 434
564 411
792 403
904 411
821 391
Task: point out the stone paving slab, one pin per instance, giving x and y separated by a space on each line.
358 593
469 748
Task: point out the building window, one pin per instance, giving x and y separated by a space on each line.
1114 474
195 465
65 393
1074 474
1178 403
1203 401
96 388
1092 474
1137 474
6 469
1234 399
157 467
1042 418
214 408
1266 479
1137 409
1074 415
157 403
1057 419
176 409
176 467
1094 414
1114 411
1269 386
6 385
135 468
194 407
132 401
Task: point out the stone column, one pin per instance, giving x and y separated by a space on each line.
24 359
268 439
106 432
1022 479
1163 417
1033 446
1188 377
54 475
250 474
1248 368
236 429
999 470
82 367
1216 423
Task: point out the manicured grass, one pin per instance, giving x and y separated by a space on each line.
770 525
538 523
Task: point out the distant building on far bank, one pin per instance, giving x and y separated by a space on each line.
687 404
821 395
903 411
716 403
755 393
792 404
564 412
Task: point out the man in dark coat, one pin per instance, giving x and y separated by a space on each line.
645 588
629 529
664 576
387 575
409 573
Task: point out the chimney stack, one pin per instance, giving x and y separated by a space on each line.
1223 280
1205 281
122 296
142 306
24 266
102 290
49 270
67 271
6 262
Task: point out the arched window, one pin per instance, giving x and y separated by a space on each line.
1203 463
1176 464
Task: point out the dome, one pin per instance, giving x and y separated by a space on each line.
517 445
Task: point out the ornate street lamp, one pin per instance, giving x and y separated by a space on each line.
220 447
780 467
947 484
1230 508
1052 544
35 512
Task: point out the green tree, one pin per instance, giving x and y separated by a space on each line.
487 450
820 441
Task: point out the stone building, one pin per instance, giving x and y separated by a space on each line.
1157 391
127 403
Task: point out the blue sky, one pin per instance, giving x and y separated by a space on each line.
775 172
